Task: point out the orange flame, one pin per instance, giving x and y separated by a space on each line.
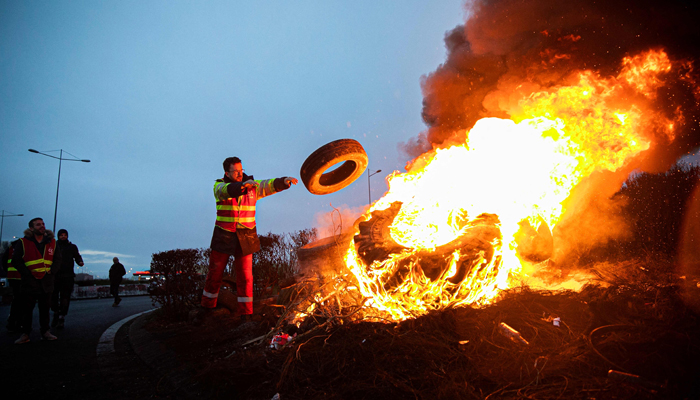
520 170
642 71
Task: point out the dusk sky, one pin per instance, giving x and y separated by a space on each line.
157 94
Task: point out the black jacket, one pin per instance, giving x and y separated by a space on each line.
29 282
116 271
69 256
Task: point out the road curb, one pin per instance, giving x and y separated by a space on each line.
106 342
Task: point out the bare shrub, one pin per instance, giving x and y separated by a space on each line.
178 278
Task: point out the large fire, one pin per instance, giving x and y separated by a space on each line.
512 172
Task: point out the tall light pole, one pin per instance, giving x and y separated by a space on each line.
369 187
60 159
2 222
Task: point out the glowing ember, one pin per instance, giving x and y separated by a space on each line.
506 175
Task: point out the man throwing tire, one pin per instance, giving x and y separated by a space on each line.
235 233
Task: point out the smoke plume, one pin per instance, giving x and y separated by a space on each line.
510 49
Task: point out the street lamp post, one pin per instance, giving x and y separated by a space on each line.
60 159
369 187
2 221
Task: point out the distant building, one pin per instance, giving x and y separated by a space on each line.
83 277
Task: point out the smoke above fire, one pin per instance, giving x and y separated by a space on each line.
329 224
511 51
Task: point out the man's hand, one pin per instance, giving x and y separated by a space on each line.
81 263
250 184
290 181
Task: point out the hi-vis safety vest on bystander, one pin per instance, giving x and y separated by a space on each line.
38 264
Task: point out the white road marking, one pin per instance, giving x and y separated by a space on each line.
106 343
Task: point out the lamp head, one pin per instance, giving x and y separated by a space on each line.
33 151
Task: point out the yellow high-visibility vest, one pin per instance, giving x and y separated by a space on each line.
239 212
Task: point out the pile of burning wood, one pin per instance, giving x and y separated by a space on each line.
632 334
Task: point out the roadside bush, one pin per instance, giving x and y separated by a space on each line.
178 280
655 207
657 204
277 258
178 275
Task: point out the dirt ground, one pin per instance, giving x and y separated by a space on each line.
646 333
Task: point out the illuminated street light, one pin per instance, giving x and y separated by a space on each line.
369 187
2 222
60 159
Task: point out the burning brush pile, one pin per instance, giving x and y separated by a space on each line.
629 334
463 280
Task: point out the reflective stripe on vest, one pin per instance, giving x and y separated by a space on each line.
12 272
37 264
239 212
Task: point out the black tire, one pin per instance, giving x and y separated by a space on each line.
347 151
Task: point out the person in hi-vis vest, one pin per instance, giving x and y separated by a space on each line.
235 231
37 259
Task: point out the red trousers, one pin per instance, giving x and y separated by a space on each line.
244 281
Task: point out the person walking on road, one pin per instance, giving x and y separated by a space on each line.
37 259
63 287
235 232
116 272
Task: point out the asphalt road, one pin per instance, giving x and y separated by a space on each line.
70 368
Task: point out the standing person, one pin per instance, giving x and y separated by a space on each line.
14 279
116 272
37 259
63 287
235 231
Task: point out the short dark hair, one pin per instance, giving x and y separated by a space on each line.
60 231
31 222
229 161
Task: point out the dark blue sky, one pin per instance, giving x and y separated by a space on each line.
157 94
